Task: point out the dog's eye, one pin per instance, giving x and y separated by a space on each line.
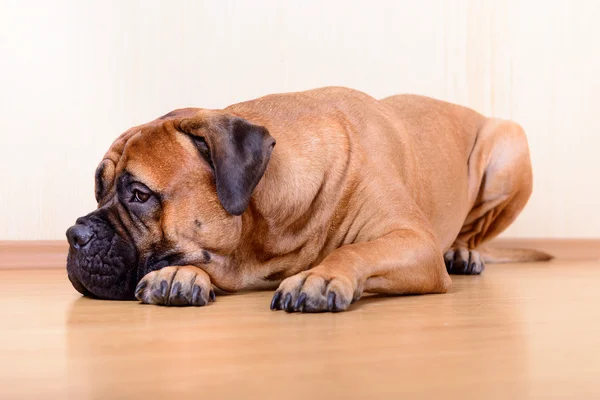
140 197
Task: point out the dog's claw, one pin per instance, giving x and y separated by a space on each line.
287 303
197 300
275 301
175 296
176 289
300 302
331 301
140 288
164 286
195 294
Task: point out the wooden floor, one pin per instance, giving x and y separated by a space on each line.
518 331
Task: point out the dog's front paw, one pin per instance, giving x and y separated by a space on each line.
311 291
176 286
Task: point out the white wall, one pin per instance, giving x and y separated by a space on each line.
75 74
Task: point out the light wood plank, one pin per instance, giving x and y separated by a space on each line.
518 331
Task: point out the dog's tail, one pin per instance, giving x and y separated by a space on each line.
504 255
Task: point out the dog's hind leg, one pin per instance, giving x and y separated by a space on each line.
500 183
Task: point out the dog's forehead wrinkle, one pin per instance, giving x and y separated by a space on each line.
148 149
117 149
117 156
186 143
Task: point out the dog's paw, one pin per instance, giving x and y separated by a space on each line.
311 291
176 286
462 261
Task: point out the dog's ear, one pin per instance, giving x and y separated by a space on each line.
238 152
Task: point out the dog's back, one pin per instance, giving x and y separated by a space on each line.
383 164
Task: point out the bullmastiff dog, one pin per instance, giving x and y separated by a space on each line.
327 193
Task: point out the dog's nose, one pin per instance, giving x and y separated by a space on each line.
79 235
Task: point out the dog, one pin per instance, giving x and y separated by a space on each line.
327 193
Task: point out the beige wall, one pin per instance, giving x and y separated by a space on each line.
75 74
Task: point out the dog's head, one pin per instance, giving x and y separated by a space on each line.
170 192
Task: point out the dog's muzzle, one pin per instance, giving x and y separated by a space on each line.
101 263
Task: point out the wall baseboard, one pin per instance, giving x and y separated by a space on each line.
561 249
33 254
53 253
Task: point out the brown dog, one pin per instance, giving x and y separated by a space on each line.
359 195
